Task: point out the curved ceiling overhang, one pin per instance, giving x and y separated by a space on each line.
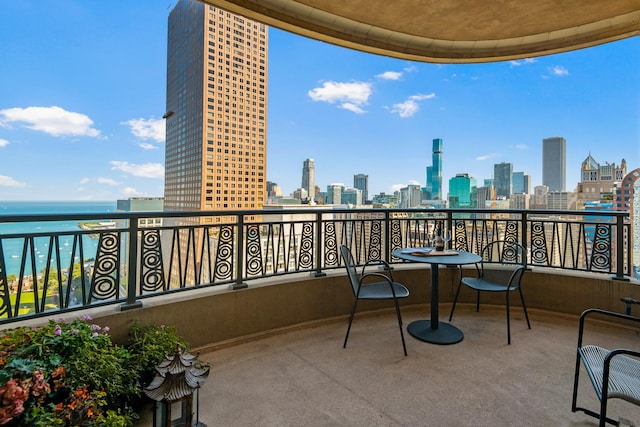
453 31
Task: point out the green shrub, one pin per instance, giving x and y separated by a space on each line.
71 374
149 345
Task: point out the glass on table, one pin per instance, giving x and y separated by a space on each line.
447 239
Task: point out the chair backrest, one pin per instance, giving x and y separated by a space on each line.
504 252
350 265
510 255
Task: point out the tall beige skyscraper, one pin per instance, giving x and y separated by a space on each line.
216 112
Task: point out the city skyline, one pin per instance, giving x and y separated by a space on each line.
86 123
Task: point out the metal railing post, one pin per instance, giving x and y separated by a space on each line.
449 228
319 247
620 249
240 283
387 234
132 267
524 220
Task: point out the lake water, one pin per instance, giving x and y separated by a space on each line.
13 248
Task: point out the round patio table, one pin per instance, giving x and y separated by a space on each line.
433 331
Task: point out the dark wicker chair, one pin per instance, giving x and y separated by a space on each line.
613 373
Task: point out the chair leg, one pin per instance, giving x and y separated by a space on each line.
353 312
524 307
404 347
455 300
603 401
477 301
574 400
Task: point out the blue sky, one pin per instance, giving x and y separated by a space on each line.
82 94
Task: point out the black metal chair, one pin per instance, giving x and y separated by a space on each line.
385 289
613 373
510 259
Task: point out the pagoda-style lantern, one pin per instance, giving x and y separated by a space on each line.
172 389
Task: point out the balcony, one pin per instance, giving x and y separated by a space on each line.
264 298
305 377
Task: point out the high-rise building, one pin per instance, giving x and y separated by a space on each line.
309 179
434 172
273 189
410 197
216 112
539 199
521 183
462 191
520 201
598 182
502 174
385 200
361 182
554 163
628 199
485 196
334 194
351 196
561 200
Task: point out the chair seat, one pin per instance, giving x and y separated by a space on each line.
365 287
481 284
624 373
381 290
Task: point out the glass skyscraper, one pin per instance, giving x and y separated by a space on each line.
462 191
434 173
521 183
502 175
554 163
361 182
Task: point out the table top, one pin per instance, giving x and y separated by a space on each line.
452 257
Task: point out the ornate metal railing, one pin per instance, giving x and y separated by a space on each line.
124 258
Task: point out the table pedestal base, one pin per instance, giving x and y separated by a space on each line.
445 333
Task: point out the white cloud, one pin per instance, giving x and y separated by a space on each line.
54 120
130 192
422 96
147 146
525 61
558 70
3 142
7 181
405 109
352 107
409 107
390 75
147 129
84 180
522 146
351 96
487 156
107 181
147 170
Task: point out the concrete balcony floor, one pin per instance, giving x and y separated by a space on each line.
305 377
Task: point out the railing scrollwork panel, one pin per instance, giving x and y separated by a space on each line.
53 271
